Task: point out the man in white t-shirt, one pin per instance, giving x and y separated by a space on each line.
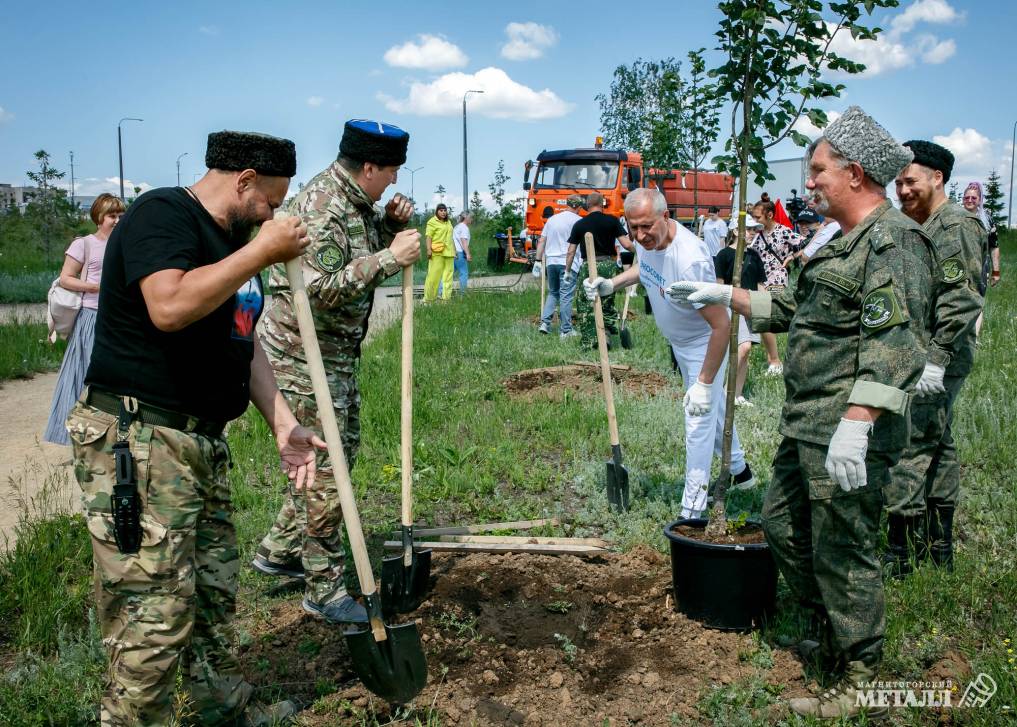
698 335
552 248
461 238
714 231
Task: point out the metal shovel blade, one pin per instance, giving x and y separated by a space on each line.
617 483
626 338
395 668
404 587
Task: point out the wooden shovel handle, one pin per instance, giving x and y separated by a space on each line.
406 420
605 364
323 397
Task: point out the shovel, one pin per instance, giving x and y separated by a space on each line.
405 577
617 475
623 332
388 659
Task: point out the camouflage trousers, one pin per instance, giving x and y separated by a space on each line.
824 543
308 526
170 604
586 320
928 470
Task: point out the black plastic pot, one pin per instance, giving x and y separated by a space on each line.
727 587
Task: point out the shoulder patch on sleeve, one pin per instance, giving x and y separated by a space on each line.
330 257
880 239
953 269
881 309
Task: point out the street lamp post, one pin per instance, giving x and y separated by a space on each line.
466 184
120 153
412 172
178 166
1013 153
73 205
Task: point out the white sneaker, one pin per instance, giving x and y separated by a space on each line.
544 328
775 370
571 334
742 401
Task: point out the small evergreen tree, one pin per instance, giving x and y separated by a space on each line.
993 201
953 192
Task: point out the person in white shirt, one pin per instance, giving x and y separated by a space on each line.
553 245
461 238
714 231
665 252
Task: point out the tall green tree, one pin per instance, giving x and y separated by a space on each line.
505 214
46 204
441 192
994 200
777 56
952 196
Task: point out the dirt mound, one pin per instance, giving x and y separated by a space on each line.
555 382
535 640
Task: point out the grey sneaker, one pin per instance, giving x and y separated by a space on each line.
544 328
571 334
342 610
290 569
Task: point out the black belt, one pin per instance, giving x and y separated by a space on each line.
155 416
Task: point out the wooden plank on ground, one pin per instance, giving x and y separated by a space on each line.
594 364
484 527
535 548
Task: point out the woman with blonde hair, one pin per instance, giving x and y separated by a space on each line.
84 254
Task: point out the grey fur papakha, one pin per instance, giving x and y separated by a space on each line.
857 323
348 257
170 605
858 137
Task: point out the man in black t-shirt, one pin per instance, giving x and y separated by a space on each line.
175 359
606 230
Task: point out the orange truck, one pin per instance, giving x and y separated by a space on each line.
614 173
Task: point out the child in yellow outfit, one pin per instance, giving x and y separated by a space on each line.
441 254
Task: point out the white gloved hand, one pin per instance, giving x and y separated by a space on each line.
536 270
632 292
698 399
567 279
845 459
692 291
598 286
931 381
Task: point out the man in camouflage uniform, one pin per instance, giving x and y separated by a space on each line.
857 322
355 245
606 229
175 358
925 485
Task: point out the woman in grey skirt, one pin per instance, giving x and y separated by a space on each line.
84 254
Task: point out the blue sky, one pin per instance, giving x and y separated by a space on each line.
944 68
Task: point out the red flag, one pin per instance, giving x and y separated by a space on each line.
780 216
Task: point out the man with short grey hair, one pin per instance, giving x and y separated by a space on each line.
698 335
858 321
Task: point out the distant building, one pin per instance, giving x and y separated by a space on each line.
16 197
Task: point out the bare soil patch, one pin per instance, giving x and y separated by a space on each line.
535 640
745 535
555 382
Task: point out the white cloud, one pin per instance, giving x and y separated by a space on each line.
5 115
503 98
94 186
886 53
924 11
431 53
208 30
527 41
315 101
935 51
804 126
971 149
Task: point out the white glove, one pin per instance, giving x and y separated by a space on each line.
692 291
568 277
845 459
598 286
698 399
632 292
536 270
931 381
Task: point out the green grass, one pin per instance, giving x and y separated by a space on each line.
480 456
26 287
24 350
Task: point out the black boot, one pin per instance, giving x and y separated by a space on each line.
903 534
941 535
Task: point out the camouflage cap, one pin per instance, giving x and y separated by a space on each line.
858 137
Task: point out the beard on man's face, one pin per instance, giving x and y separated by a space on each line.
240 223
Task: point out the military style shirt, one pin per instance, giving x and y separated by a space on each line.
857 323
958 240
348 257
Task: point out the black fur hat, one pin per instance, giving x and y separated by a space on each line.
932 155
375 142
234 151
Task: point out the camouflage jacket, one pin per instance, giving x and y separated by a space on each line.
958 240
348 257
857 323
